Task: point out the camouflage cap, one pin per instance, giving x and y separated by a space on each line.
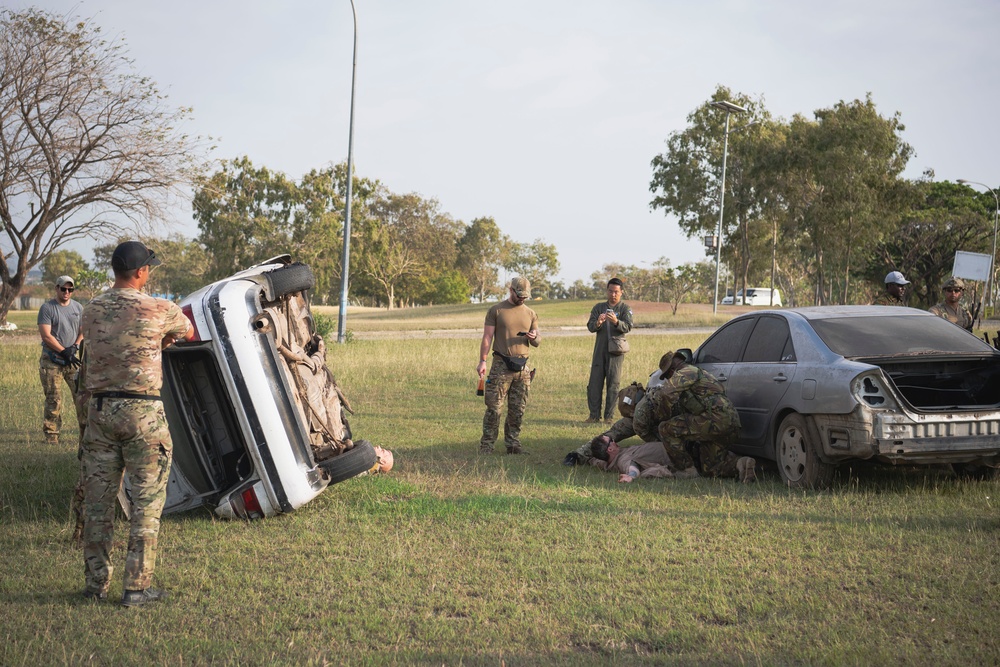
521 287
954 282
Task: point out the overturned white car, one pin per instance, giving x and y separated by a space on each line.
257 419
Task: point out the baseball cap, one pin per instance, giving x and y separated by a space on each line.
897 278
521 287
62 280
133 255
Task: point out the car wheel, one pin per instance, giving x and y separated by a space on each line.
351 463
798 463
972 471
289 279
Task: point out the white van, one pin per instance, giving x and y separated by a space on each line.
756 296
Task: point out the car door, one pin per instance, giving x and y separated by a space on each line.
718 354
759 380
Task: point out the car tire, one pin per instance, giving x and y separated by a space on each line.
795 451
351 463
973 472
289 279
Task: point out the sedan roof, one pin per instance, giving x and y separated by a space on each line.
889 331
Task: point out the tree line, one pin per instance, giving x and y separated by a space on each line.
818 205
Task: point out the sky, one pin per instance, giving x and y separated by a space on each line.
546 114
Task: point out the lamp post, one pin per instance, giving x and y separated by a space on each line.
345 263
729 108
990 287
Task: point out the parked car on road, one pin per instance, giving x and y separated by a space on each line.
817 387
755 296
257 419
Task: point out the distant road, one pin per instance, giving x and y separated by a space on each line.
546 332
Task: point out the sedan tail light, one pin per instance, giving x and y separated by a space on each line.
189 313
251 504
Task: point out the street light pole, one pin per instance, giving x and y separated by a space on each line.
729 108
990 287
345 263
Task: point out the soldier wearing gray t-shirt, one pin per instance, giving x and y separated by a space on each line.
59 329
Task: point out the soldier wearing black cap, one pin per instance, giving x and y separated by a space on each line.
127 430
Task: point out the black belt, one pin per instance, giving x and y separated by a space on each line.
101 395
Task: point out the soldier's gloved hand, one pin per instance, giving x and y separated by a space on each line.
571 459
69 354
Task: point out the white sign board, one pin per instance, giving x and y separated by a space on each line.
971 265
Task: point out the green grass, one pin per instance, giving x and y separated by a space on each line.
457 559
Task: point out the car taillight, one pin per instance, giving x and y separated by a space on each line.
251 503
189 313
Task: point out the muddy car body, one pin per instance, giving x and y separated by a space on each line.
816 387
256 417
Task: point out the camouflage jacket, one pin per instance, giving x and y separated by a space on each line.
124 330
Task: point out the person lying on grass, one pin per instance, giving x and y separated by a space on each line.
648 460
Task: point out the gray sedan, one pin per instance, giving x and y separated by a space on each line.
816 387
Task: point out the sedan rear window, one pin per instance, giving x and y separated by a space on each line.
891 335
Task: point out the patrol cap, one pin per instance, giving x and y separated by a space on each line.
64 280
521 287
895 277
954 282
132 255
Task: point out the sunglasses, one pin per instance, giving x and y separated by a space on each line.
67 289
958 290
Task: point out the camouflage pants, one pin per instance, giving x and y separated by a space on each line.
505 385
701 441
125 435
52 375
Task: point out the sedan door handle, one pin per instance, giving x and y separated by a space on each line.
780 378
721 378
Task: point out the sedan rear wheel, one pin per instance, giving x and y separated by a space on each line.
350 463
798 463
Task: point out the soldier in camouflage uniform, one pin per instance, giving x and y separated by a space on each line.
895 290
126 426
703 423
951 308
510 330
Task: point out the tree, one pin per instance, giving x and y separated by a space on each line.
62 263
184 266
244 214
88 147
92 282
686 178
537 262
482 251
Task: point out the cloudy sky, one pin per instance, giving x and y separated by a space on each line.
545 114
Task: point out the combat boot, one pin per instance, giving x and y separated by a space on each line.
687 473
747 468
92 595
143 597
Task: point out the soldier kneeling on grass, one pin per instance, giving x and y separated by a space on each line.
703 422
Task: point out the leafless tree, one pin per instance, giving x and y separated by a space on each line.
88 147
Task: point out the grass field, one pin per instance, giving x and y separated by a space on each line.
458 559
